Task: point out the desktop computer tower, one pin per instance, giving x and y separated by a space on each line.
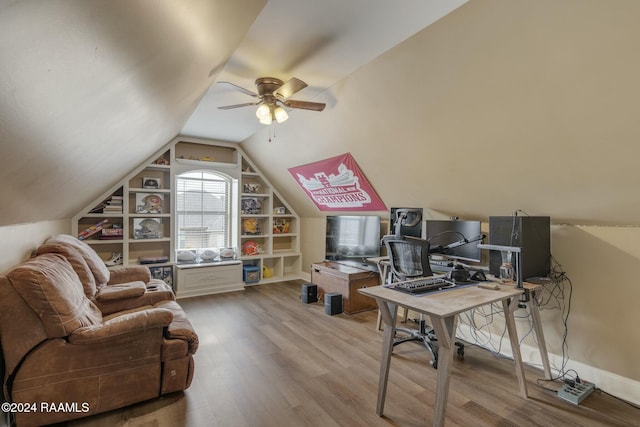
531 233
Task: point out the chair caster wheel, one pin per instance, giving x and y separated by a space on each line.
434 362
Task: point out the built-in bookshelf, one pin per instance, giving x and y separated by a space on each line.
136 218
273 226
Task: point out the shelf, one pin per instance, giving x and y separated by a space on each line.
205 164
161 168
263 208
149 190
103 241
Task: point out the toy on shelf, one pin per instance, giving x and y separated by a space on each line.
88 232
251 247
149 203
251 205
280 226
250 226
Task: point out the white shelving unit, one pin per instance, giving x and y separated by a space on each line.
277 225
271 223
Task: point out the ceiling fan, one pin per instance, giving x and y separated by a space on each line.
273 94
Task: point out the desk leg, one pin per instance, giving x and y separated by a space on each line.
509 308
537 328
445 329
389 313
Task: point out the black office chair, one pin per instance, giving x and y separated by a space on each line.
409 259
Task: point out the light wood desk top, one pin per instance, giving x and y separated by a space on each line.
444 304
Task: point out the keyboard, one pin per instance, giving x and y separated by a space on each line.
422 284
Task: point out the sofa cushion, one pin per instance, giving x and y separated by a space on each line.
96 264
77 262
53 290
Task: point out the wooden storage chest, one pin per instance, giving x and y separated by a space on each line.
331 276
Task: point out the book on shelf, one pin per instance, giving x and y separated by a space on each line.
111 205
116 232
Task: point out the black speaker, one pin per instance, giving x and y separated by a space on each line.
333 303
531 233
309 293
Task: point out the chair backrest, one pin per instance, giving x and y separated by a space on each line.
408 257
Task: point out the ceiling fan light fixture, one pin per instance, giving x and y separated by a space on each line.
263 113
280 114
266 120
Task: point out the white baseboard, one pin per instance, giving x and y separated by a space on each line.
614 384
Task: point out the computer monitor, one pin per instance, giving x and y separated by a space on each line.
352 237
455 239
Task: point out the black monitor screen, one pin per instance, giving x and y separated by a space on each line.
449 237
352 237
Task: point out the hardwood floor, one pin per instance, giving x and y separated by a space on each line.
267 359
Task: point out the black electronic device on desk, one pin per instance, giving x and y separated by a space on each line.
455 239
422 285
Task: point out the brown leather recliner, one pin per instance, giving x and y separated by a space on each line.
59 346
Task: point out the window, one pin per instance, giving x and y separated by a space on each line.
203 210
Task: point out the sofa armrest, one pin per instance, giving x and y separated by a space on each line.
122 325
121 291
180 328
130 274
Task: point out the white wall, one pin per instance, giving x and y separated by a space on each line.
17 241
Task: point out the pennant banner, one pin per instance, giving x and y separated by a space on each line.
337 184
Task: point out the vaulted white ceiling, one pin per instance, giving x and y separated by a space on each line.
90 89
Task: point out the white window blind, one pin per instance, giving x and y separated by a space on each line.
203 212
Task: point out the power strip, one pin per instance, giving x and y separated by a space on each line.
577 392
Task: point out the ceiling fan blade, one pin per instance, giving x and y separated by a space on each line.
290 87
241 89
305 105
246 104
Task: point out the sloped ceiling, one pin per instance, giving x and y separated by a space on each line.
90 89
499 106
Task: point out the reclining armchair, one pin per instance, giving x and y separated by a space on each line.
92 353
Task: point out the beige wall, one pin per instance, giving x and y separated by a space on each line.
603 265
17 241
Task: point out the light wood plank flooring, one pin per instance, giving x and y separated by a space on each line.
267 359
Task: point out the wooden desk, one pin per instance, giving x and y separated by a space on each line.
443 309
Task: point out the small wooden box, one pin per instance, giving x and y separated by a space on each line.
333 277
